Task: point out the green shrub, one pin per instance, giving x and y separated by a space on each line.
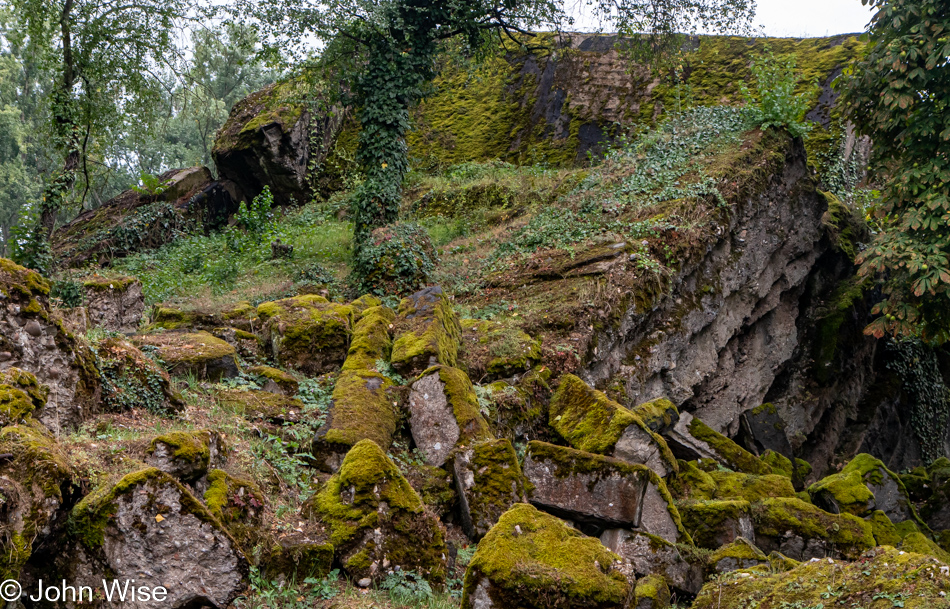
395 259
774 100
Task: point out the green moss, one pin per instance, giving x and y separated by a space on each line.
191 447
20 282
15 405
371 340
260 404
118 283
285 381
779 463
885 534
691 482
369 493
882 579
848 489
26 382
365 302
426 328
491 349
734 455
592 422
920 544
236 503
532 558
361 410
279 103
198 353
307 333
90 517
752 488
659 414
775 517
710 523
740 554
652 592
906 528
498 484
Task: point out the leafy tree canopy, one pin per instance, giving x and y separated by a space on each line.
899 95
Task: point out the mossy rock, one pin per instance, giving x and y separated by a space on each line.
530 559
131 379
691 482
490 481
751 487
919 543
740 554
861 487
16 405
149 518
395 259
792 526
444 413
20 283
691 437
592 422
173 318
197 353
306 333
297 561
27 383
659 414
882 578
35 481
261 405
186 455
715 523
491 350
652 592
376 520
884 531
521 410
427 332
602 491
361 409
797 470
681 565
364 302
434 486
237 503
371 339
276 381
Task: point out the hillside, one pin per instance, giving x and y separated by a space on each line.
633 374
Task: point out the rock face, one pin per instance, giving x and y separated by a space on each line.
31 339
443 413
802 531
601 491
489 482
649 555
534 560
135 221
148 527
186 455
691 438
377 522
114 303
267 141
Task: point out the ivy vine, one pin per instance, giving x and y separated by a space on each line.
917 366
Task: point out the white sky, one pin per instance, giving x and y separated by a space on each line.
789 18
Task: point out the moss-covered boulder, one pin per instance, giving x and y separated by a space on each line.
377 522
149 519
266 141
861 487
36 341
297 561
921 544
427 332
362 408
237 503
652 555
306 333
592 422
762 428
276 381
242 316
200 354
802 531
520 409
533 560
715 523
247 345
883 578
692 439
492 350
659 415
131 379
740 554
114 303
651 592
371 340
600 490
35 481
186 455
444 413
489 481
261 405
18 401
